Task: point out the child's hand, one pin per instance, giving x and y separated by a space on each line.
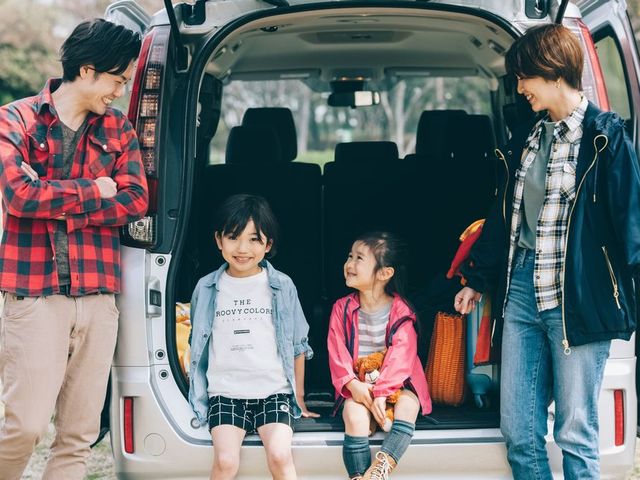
361 392
309 414
378 409
306 413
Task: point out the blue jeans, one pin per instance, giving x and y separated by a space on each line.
535 370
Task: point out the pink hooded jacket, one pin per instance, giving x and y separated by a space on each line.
401 363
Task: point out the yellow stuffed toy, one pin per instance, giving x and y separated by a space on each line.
183 327
368 371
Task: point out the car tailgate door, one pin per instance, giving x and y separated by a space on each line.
128 14
610 26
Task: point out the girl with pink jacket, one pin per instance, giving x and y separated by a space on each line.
374 318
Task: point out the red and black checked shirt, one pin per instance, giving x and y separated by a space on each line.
30 131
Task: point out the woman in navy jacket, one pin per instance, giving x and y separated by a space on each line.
558 251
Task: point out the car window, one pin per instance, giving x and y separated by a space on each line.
320 127
614 75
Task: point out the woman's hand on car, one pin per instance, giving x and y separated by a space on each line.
466 300
361 392
378 409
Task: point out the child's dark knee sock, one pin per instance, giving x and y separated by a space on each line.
356 455
398 439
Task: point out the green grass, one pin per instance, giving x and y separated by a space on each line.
319 157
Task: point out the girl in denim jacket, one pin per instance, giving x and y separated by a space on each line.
373 318
249 343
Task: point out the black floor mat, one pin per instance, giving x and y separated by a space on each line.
442 417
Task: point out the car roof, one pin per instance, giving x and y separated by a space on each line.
218 13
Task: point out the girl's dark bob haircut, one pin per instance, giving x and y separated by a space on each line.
547 51
236 211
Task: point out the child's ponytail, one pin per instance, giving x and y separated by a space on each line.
389 251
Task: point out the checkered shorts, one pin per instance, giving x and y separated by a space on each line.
250 414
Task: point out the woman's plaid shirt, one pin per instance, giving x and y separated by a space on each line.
34 203
560 192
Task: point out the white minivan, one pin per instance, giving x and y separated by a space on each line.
381 114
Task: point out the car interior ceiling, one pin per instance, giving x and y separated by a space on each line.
326 45
428 197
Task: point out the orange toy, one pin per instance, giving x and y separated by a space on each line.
368 370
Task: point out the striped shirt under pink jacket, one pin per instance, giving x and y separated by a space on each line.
401 367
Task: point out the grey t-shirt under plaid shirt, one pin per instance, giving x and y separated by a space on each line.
560 192
70 139
534 189
372 330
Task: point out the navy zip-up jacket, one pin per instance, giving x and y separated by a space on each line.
603 235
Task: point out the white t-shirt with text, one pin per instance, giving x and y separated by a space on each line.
243 353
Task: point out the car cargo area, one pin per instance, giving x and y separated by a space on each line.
427 190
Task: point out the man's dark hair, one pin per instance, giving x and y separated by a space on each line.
105 45
236 211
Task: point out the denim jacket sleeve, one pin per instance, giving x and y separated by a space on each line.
300 327
192 309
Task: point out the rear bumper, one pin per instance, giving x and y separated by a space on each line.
167 447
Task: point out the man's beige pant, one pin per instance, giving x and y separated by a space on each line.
55 355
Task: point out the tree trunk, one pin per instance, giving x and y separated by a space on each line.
399 113
304 117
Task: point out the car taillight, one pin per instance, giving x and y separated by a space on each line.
618 408
592 79
127 424
144 114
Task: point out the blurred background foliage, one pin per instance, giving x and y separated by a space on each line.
31 32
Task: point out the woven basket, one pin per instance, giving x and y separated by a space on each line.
445 365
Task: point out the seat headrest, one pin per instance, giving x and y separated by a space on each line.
253 145
478 135
432 129
366 152
281 120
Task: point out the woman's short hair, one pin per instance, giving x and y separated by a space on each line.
548 51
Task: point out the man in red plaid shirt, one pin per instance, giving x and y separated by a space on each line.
70 175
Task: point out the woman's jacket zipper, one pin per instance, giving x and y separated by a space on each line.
501 156
614 282
565 340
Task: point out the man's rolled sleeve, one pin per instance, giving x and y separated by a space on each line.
132 200
89 195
